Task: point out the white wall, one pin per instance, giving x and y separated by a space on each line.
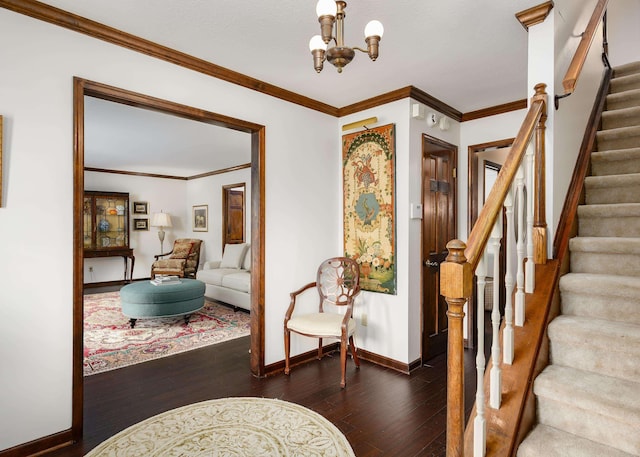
623 19
37 221
208 191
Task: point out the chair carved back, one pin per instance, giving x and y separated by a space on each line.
338 281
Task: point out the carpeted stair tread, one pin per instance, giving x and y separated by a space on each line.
616 219
613 188
624 99
624 83
611 255
596 345
618 138
615 162
625 117
594 406
600 296
626 69
550 442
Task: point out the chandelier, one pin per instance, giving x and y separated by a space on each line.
331 12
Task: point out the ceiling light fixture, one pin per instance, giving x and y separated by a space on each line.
331 12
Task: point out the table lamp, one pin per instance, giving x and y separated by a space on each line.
161 220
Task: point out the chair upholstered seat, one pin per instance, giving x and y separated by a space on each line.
321 324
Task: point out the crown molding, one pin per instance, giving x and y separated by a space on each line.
179 178
494 110
534 15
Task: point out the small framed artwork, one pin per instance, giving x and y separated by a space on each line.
141 224
140 207
201 218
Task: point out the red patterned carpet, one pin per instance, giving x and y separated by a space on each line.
110 343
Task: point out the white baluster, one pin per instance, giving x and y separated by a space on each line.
479 423
510 252
530 272
520 247
495 375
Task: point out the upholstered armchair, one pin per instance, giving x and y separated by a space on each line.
337 283
182 261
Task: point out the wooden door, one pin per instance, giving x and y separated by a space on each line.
233 219
438 228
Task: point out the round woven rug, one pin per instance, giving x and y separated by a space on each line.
243 426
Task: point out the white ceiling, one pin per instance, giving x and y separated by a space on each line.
470 54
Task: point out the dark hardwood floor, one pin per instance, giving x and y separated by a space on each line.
381 411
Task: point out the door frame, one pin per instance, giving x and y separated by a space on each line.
82 88
451 147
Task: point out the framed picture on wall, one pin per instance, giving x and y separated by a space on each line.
140 207
141 224
200 218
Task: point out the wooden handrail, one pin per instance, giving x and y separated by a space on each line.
575 67
457 272
482 229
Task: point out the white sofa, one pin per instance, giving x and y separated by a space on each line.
229 280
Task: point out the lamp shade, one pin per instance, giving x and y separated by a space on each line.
160 220
316 43
373 28
326 8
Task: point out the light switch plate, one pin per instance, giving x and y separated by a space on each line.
416 210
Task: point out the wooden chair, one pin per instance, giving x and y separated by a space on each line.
338 283
182 261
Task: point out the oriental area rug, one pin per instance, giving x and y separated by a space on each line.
110 342
245 426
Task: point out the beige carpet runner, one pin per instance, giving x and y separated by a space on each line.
239 427
588 399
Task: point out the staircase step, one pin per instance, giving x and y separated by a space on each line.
596 345
624 83
626 69
605 255
550 442
600 296
619 138
625 99
615 162
625 117
612 189
592 406
616 219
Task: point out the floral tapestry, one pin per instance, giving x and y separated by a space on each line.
368 160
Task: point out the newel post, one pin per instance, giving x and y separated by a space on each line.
539 215
455 285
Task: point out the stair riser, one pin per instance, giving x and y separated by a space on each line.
620 102
605 263
624 84
623 194
616 167
615 120
605 306
608 143
590 425
590 357
609 226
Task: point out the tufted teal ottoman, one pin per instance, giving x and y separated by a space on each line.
144 300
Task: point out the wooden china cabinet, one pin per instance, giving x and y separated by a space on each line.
106 227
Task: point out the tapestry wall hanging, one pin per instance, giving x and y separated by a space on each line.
368 161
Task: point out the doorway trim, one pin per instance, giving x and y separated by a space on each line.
82 87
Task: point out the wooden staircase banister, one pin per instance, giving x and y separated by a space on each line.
580 56
482 229
457 272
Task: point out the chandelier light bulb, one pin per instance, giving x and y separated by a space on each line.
326 8
316 42
374 28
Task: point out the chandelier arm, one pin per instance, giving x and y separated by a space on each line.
360 49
